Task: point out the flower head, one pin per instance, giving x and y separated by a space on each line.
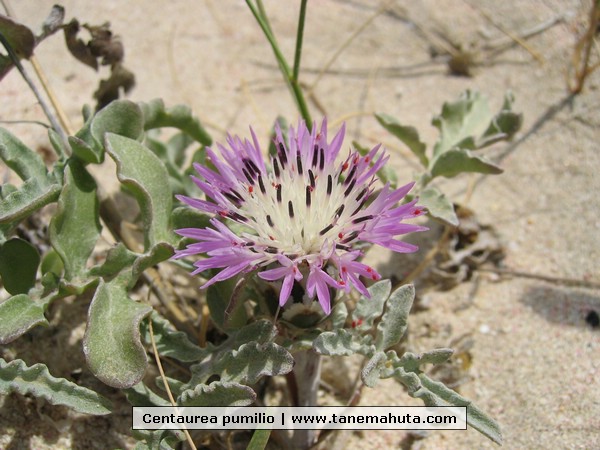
303 214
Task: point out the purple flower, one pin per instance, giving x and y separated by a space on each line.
301 217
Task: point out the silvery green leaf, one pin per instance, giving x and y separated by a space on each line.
75 227
111 344
146 177
36 380
370 373
438 205
338 315
369 309
408 135
18 315
170 342
141 395
218 393
458 160
251 361
395 319
180 116
341 342
434 393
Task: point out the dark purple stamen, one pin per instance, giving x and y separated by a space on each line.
329 184
299 163
326 229
278 189
350 237
321 158
236 216
270 250
350 175
349 189
315 155
254 166
339 211
270 221
362 219
261 184
276 167
290 209
308 198
248 177
311 175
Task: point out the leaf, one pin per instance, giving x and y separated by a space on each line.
75 227
27 199
184 217
340 342
468 124
141 395
408 135
259 440
117 259
53 22
456 161
19 38
18 315
461 121
253 360
120 117
159 253
19 261
395 319
218 393
77 47
120 80
369 309
218 299
434 393
180 116
371 370
37 381
438 205
26 163
111 344
171 343
143 173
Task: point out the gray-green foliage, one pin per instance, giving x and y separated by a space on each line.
465 126
373 335
112 344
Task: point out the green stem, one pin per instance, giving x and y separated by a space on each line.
288 74
299 37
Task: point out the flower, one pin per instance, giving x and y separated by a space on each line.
303 215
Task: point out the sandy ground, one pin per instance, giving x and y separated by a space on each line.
534 362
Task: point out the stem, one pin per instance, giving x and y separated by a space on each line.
299 36
288 74
307 374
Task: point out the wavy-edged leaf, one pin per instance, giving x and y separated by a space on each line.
171 343
438 206
121 117
75 227
458 160
27 199
407 134
141 395
146 177
218 393
370 372
18 315
369 309
19 261
434 393
26 163
251 361
180 116
37 381
395 319
341 342
159 253
111 344
117 258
